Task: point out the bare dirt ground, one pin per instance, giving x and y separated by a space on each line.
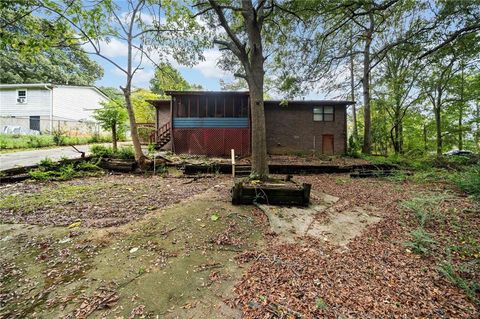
130 246
173 262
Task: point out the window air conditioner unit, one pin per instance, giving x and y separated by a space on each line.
21 100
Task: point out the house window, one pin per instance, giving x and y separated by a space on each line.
323 114
21 96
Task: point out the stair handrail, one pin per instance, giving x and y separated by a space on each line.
157 134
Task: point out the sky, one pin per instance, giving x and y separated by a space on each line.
205 73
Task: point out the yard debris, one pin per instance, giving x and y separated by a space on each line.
247 256
75 225
374 277
102 298
85 202
204 267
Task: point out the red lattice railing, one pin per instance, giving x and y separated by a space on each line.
212 141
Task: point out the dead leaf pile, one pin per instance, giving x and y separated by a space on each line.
374 277
103 298
99 202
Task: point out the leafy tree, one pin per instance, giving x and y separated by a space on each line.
112 117
168 78
242 30
144 111
144 27
53 65
111 92
37 50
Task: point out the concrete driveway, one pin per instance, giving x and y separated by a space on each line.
27 158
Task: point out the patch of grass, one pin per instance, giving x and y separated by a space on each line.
421 241
321 304
425 207
48 196
14 142
468 181
447 269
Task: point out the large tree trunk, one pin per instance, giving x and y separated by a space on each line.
139 156
438 127
460 115
255 74
114 137
367 131
477 135
425 137
460 129
127 91
259 140
352 93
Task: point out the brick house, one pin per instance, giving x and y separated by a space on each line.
212 123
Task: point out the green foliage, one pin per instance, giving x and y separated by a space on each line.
144 111
125 152
47 164
421 241
112 117
36 50
321 304
100 151
63 170
447 269
353 147
468 181
58 137
424 207
12 142
168 78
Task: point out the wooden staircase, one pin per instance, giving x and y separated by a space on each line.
161 136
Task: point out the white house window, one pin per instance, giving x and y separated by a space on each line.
22 96
323 114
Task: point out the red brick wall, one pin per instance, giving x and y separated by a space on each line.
292 129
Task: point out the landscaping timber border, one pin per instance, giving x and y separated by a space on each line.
283 194
192 169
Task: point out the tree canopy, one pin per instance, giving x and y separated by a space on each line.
37 50
167 78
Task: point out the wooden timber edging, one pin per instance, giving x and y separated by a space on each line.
288 195
192 169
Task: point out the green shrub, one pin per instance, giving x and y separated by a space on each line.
47 164
48 170
88 167
42 175
101 151
468 181
59 137
125 152
421 241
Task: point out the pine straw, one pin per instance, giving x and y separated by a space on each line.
375 278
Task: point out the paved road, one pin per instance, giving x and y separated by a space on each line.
26 158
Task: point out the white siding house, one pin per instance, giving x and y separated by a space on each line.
46 107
